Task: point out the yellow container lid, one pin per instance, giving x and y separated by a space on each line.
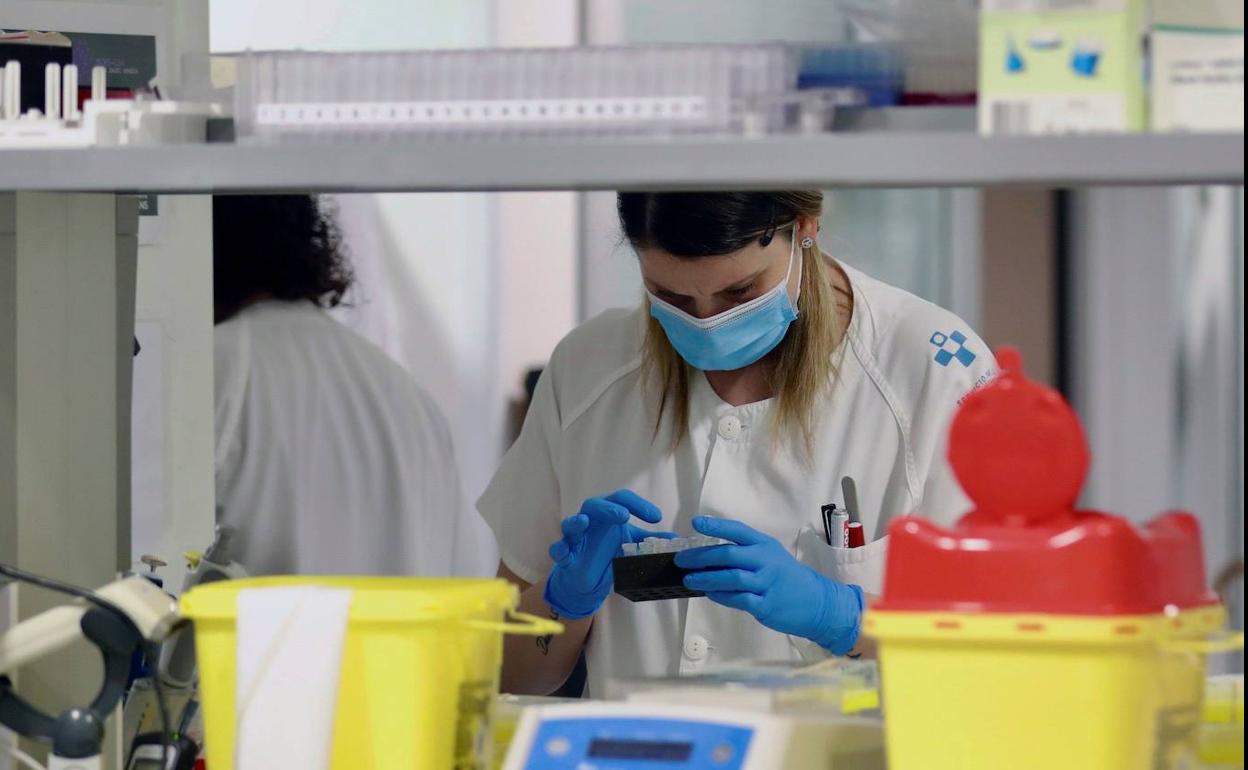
1197 621
960 627
376 599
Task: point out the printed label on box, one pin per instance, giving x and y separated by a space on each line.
1198 81
1057 114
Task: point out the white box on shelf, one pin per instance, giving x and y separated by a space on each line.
1062 66
1198 65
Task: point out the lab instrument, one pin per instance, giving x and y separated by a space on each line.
101 122
177 657
507 712
620 735
119 618
149 754
176 663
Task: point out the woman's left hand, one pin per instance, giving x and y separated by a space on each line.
758 575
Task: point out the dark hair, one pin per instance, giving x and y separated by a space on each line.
281 246
709 224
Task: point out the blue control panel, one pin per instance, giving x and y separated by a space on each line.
611 743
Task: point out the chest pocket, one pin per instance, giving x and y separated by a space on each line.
863 566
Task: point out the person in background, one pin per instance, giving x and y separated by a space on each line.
329 458
757 375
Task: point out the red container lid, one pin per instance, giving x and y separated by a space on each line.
1020 454
1175 538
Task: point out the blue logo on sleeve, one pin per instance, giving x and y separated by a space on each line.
952 346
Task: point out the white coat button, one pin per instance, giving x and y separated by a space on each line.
696 647
730 427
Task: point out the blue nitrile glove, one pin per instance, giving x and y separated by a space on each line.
582 578
761 577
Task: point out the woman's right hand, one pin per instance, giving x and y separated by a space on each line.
582 579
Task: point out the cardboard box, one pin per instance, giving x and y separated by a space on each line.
1062 66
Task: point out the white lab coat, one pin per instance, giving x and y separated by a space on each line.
590 432
329 458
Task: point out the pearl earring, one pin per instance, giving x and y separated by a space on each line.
807 242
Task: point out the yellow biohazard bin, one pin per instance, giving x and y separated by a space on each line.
1032 635
420 668
1222 728
969 691
1194 628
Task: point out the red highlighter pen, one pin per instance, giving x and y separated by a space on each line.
856 538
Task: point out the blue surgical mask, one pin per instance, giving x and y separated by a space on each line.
737 337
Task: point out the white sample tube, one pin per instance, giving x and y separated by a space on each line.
99 84
52 91
69 92
12 90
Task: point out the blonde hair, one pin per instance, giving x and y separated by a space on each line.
803 365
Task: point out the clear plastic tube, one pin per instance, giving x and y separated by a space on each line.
12 90
52 90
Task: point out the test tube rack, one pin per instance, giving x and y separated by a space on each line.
647 571
100 121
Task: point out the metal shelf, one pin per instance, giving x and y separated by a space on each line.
871 159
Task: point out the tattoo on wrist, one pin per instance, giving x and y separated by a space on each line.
543 642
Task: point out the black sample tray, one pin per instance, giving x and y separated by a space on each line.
650 577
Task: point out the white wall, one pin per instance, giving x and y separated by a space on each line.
1158 344
537 232
172 419
724 21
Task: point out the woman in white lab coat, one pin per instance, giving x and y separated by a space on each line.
758 373
330 459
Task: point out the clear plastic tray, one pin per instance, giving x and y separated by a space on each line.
592 91
838 686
